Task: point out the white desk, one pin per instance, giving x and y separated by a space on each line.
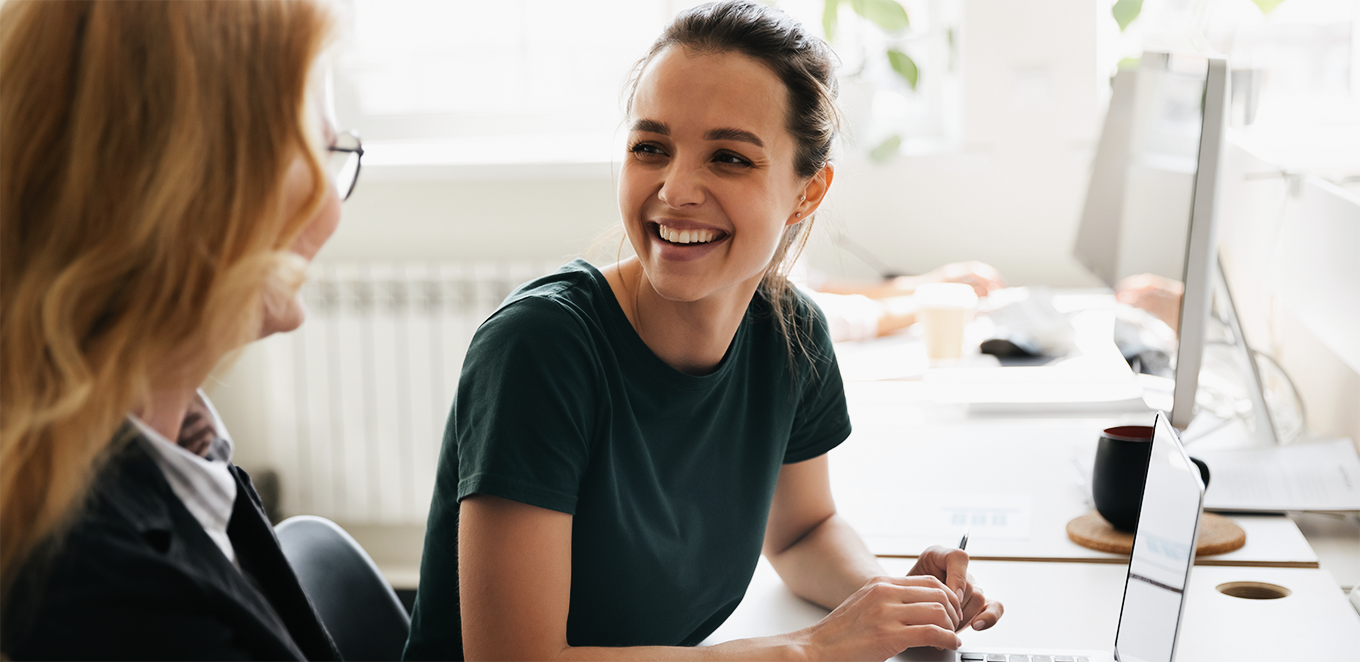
1076 606
910 468
1336 539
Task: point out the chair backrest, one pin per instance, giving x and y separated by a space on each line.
355 602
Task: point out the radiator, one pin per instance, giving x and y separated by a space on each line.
357 398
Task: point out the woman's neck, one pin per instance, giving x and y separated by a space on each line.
164 411
690 336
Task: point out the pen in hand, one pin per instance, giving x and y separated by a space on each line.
963 546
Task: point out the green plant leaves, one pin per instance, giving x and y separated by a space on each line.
830 18
1267 6
886 149
887 14
904 66
890 16
1126 10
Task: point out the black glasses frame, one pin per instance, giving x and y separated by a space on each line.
357 149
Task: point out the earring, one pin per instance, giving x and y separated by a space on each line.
798 214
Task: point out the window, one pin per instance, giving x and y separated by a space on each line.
542 81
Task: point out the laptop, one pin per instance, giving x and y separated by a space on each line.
1159 569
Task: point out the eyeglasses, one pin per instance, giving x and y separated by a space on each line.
343 165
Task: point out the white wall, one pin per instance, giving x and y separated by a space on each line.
1298 305
431 213
1007 190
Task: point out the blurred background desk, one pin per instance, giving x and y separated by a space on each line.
914 475
920 468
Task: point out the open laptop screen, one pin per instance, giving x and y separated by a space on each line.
1163 551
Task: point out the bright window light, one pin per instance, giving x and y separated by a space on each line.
467 82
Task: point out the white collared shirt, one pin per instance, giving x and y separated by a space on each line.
205 485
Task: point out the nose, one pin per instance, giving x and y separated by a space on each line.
683 186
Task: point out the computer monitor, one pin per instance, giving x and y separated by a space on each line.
1097 246
1151 204
1201 253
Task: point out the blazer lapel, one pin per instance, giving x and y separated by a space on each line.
259 553
161 517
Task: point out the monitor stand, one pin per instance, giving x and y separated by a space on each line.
1263 430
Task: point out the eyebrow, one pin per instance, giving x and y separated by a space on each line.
652 126
726 133
734 134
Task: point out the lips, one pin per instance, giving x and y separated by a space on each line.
682 241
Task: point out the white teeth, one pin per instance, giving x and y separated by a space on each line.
686 236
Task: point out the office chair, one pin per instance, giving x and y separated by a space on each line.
355 602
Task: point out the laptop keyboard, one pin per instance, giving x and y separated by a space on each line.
997 657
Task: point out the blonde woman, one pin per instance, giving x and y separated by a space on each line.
167 171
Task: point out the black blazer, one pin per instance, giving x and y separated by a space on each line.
137 577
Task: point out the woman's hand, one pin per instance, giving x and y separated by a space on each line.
950 566
1156 294
983 277
885 617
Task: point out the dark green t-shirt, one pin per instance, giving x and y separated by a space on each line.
668 476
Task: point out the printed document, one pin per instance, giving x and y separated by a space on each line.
1320 475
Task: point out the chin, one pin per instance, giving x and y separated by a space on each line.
285 318
678 295
688 289
677 287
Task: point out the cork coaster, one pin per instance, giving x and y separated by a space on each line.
1217 534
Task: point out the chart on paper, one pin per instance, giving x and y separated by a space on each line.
987 516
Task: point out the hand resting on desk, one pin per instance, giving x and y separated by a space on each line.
935 599
885 617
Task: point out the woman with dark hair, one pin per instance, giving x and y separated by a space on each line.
626 442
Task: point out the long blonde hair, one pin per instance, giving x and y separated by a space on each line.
141 219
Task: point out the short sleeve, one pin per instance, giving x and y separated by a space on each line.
524 412
822 421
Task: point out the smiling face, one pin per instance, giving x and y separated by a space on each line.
289 314
708 185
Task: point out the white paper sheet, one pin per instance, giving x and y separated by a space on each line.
1082 384
986 516
1323 475
893 357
